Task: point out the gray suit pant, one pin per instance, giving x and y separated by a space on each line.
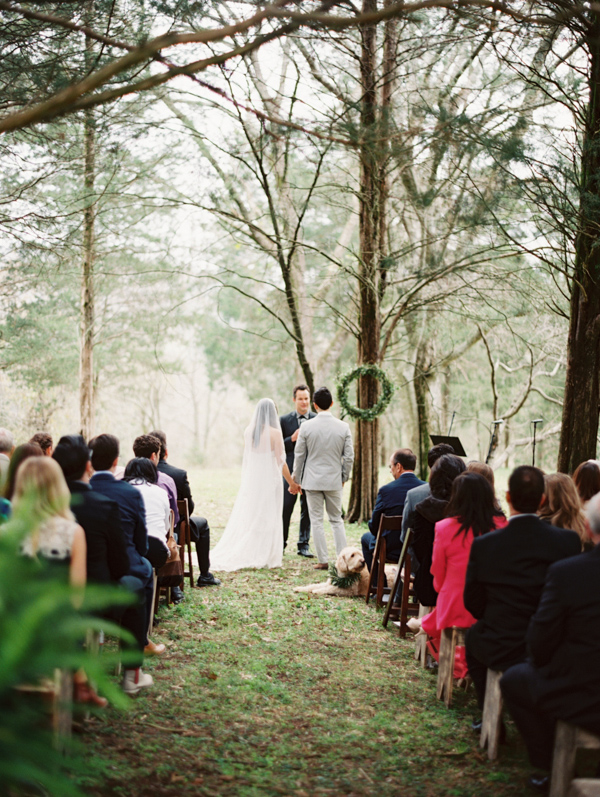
333 504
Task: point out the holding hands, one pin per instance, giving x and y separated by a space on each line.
295 488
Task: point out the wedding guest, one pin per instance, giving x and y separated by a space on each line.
141 474
562 507
7 446
105 457
20 454
55 536
290 429
390 501
418 494
322 465
199 528
505 577
561 678
427 513
147 445
44 441
587 480
484 470
107 561
471 512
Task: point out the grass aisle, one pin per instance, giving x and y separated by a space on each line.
267 692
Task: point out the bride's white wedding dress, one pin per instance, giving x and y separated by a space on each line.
253 536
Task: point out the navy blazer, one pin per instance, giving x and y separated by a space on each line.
289 423
504 582
180 478
390 498
133 519
563 641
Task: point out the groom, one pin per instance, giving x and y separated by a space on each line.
322 465
290 428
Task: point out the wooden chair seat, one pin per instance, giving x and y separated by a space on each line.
451 637
567 740
491 722
381 558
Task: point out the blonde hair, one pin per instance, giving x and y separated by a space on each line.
483 470
563 505
40 485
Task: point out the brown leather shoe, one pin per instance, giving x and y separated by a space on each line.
321 566
152 649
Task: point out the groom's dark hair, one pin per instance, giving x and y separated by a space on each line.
300 387
322 398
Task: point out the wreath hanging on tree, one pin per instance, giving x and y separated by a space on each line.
370 413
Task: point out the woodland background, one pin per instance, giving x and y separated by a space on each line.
420 192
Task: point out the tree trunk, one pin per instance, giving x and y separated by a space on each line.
581 400
86 360
422 367
365 475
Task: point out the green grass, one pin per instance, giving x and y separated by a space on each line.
267 692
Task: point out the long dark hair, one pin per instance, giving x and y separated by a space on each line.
443 474
473 503
140 468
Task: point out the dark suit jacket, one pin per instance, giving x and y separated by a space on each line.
289 424
100 519
505 577
390 499
563 641
180 478
133 519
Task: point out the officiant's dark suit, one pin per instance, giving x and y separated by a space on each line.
561 679
289 424
504 582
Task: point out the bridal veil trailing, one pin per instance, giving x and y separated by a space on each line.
253 536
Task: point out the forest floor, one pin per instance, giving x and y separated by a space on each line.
264 691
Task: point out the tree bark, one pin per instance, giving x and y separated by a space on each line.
579 429
365 477
86 359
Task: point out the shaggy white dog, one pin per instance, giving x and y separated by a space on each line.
352 577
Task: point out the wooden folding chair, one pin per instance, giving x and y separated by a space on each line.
491 721
451 637
566 741
421 652
380 558
394 605
185 539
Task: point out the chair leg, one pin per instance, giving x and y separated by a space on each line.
190 565
381 573
445 679
62 712
492 714
391 604
405 595
563 759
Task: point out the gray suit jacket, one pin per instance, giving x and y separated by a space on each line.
324 453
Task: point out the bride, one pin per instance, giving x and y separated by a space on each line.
253 536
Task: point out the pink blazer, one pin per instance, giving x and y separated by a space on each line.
449 569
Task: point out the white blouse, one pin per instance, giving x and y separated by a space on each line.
158 511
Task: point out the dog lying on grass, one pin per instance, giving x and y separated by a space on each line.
349 577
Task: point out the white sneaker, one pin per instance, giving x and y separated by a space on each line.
134 680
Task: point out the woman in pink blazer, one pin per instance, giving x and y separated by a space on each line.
472 511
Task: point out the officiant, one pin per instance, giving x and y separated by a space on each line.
290 426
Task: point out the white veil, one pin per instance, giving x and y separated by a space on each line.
263 436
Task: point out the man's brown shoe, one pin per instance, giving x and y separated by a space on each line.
152 649
322 566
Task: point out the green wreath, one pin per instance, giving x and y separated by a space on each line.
387 391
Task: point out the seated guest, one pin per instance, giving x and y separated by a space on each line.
427 514
587 480
107 559
390 501
488 474
562 507
199 529
471 512
44 441
105 457
19 455
41 486
561 678
505 577
146 445
7 446
418 494
141 474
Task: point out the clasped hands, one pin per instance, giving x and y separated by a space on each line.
295 489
